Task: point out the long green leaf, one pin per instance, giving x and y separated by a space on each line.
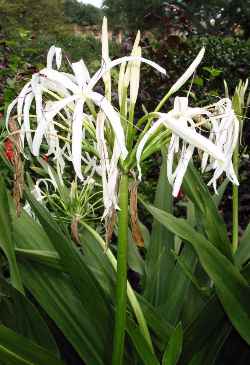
212 221
201 328
178 287
231 287
142 348
18 350
90 292
211 350
58 297
159 260
6 241
21 316
174 347
243 253
159 326
55 292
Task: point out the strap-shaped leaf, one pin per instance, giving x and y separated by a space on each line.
92 296
231 286
6 241
142 348
18 350
159 259
20 315
212 221
243 253
174 347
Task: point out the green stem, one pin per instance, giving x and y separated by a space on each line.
162 102
121 282
235 234
130 292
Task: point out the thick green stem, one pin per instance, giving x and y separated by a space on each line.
121 282
235 234
130 292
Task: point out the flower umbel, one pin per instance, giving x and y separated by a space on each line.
185 124
65 112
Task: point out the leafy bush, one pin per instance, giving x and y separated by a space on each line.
225 59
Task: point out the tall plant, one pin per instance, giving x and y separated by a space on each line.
60 114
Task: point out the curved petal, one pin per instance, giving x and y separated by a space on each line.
181 169
188 73
8 112
21 99
54 52
77 138
81 72
60 77
190 136
26 118
46 119
142 143
114 119
99 74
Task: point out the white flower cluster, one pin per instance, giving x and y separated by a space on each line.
217 149
61 102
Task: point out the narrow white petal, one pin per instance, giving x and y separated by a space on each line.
58 57
54 86
135 78
81 72
47 117
20 101
50 56
180 104
77 138
114 119
37 91
26 118
101 144
188 73
54 52
142 143
134 53
121 84
104 160
182 168
105 58
173 148
8 113
105 45
64 79
192 137
99 74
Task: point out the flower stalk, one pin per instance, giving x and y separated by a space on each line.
240 104
235 233
121 281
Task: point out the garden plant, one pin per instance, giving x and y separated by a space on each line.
79 266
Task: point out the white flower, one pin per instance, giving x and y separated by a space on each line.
108 167
57 53
182 122
72 92
224 133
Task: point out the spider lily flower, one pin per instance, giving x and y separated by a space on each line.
72 90
57 53
182 122
109 168
224 133
188 73
105 58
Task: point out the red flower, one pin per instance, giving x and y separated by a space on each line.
180 194
9 149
